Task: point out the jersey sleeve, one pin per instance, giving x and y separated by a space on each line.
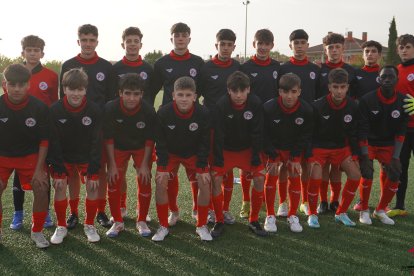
108 124
150 130
204 146
218 142
54 89
55 153
96 146
160 142
268 147
257 135
111 85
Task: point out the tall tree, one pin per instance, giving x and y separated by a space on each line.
392 56
151 57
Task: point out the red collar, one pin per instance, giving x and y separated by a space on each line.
384 100
302 62
334 65
72 109
238 106
260 62
220 63
183 115
334 105
370 69
126 111
92 60
285 109
134 63
186 55
13 106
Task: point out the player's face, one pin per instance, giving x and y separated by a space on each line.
184 99
388 78
131 98
290 97
263 49
32 55
371 56
88 44
74 96
338 91
406 52
299 48
180 41
17 92
239 96
334 52
132 44
225 48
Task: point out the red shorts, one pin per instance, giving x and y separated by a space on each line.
284 157
382 154
239 159
24 166
173 165
80 169
122 157
335 157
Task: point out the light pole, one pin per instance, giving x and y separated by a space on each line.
245 31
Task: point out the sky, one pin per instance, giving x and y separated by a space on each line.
57 22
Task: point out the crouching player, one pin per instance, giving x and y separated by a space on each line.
335 142
382 132
288 125
24 129
238 138
183 137
75 152
129 132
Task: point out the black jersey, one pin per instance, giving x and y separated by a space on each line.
23 127
308 73
101 81
129 130
263 77
366 79
139 67
382 119
76 136
287 129
184 135
213 80
335 126
238 128
171 67
323 79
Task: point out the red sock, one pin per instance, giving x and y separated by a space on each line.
194 192
348 195
323 190
173 194
227 188
270 193
387 194
91 207
335 190
144 199
74 203
257 200
123 199
114 199
38 219
245 183
294 195
218 207
162 211
100 205
282 191
304 189
60 210
313 189
365 186
202 212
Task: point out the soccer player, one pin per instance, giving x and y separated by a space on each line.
382 130
334 141
100 90
24 128
75 151
238 138
183 137
178 63
288 124
129 132
43 84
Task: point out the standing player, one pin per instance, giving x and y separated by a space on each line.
24 139
75 151
43 85
99 91
183 137
129 132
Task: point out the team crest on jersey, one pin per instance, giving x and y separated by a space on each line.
171 127
169 70
347 118
141 125
143 75
43 85
326 117
62 121
276 121
193 72
86 121
299 121
253 74
193 127
30 122
100 76
395 114
275 74
410 77
4 119
324 74
375 112
248 115
312 75
214 77
119 120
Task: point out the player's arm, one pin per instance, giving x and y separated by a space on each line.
268 147
111 85
365 164
54 89
161 143
256 135
144 169
218 138
204 146
109 135
157 81
96 149
40 176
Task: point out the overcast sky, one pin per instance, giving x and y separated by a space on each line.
57 22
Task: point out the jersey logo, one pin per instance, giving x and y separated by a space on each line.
171 127
248 115
375 112
62 121
275 74
141 125
119 120
410 77
230 116
100 76
395 114
253 74
326 117
193 127
143 75
299 121
4 119
359 77
30 122
193 72
169 70
276 121
347 118
312 75
86 121
43 86
214 77
324 74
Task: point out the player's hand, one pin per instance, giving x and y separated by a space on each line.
60 183
112 175
366 167
162 177
394 169
144 174
294 168
204 177
94 184
409 107
40 178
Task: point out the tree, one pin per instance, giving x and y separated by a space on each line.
54 65
151 57
392 56
278 56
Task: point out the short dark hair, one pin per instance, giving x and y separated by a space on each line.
338 75
264 35
226 34
289 81
238 81
372 43
405 39
333 38
16 73
88 29
32 41
132 31
185 83
390 67
180 28
132 81
75 78
298 34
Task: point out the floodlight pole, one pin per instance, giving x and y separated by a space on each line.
245 31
